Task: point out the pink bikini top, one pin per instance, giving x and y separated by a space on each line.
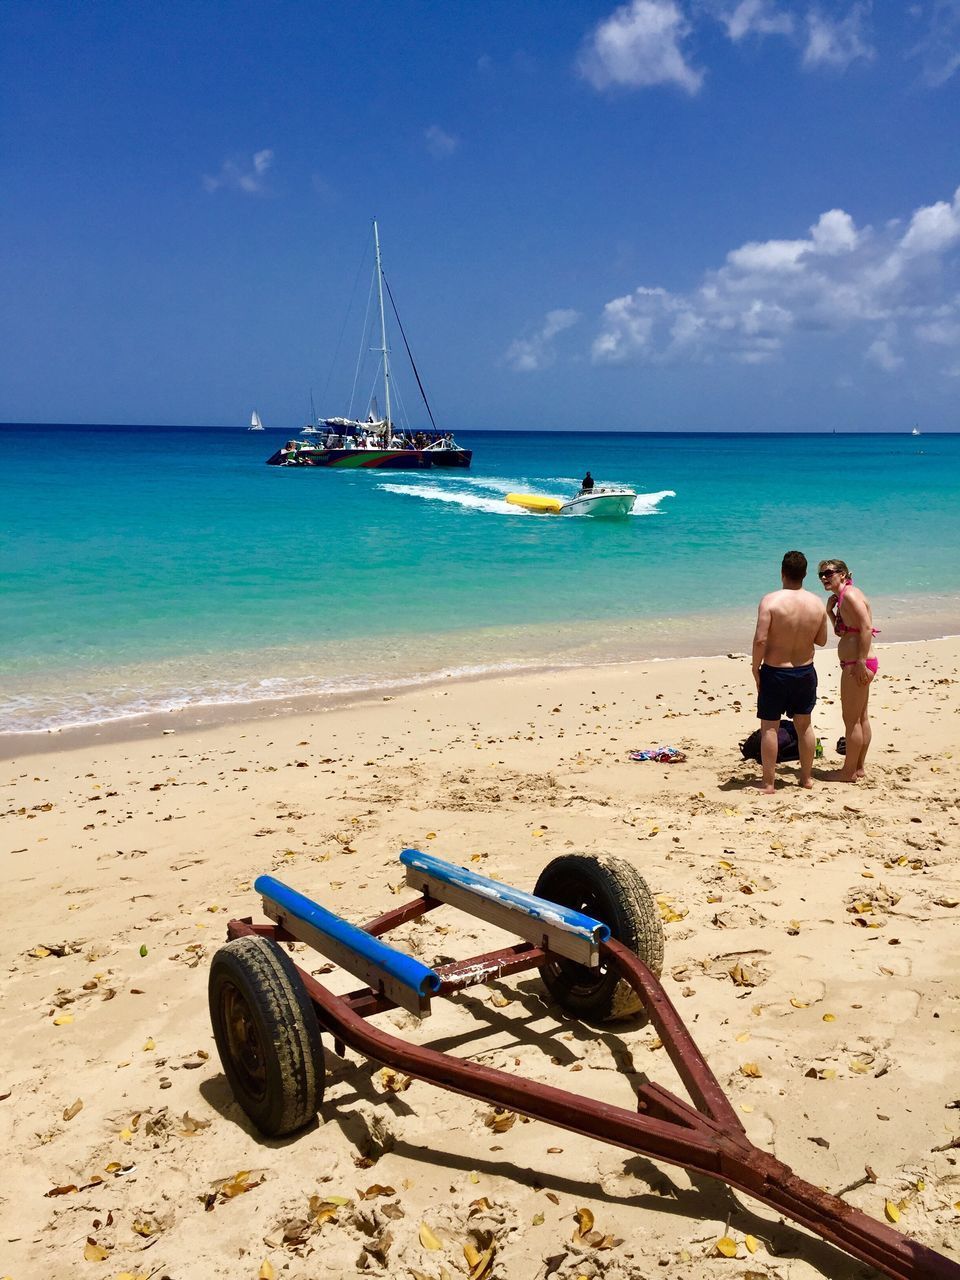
841 627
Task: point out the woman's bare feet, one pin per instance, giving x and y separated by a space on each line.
765 788
806 783
839 775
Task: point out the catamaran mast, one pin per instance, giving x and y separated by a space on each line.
383 334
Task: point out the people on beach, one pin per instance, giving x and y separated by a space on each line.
852 618
790 623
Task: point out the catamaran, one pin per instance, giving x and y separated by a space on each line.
255 423
376 441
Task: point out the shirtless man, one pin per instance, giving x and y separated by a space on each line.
789 623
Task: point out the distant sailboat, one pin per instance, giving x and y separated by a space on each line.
915 431
255 423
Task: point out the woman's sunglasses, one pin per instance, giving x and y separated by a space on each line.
827 573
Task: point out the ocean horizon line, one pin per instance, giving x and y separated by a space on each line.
495 431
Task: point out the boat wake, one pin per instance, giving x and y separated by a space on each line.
466 493
647 504
438 493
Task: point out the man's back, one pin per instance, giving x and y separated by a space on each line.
797 618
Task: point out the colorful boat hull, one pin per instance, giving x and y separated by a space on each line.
365 459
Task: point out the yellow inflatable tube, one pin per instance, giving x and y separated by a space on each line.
531 502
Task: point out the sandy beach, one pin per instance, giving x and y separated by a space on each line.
811 946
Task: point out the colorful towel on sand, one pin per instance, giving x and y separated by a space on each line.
660 755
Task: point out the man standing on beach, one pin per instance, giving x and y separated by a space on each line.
790 622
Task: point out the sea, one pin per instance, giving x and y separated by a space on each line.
152 571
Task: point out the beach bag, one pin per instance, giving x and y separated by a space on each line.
787 746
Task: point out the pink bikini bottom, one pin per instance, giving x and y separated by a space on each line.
871 664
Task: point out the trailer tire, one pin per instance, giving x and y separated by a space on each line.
267 1035
614 892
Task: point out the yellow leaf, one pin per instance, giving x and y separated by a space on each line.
431 835
149 1044
743 1037
126 1135
500 1121
746 1106
752 1070
859 1068
428 1239
537 1220
891 1210
920 1184
471 1254
393 1081
236 1185
94 1252
40 952
752 1243
63 1020
584 1221
726 1247
266 1271
829 1017
482 1264
74 1109
799 1004
474 1177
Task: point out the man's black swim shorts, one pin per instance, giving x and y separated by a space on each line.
788 691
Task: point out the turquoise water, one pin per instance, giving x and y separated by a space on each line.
149 568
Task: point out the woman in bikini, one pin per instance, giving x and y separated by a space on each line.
852 618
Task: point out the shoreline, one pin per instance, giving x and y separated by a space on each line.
207 715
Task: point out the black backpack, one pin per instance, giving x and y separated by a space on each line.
787 747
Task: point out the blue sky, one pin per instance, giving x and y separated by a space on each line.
668 214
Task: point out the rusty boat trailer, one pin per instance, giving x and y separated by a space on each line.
706 1137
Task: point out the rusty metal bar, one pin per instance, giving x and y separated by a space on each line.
667 1129
401 915
700 1082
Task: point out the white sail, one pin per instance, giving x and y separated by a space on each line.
255 423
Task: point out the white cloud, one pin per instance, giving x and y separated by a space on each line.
836 42
638 46
894 289
439 142
834 232
944 333
939 49
882 355
528 355
934 228
756 17
233 177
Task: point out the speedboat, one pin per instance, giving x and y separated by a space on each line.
608 501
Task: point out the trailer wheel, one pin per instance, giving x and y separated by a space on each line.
267 1035
613 891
